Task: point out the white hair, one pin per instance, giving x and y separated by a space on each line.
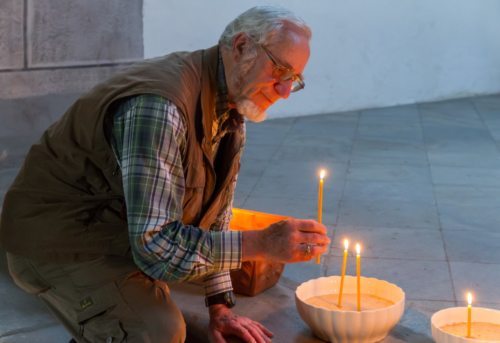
262 23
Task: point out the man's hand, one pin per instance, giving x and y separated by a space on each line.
223 323
292 240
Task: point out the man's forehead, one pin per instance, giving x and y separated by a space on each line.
292 50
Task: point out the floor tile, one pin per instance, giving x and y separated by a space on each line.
378 172
19 310
488 107
300 179
401 160
326 126
7 176
469 246
45 334
32 115
403 134
415 326
479 278
384 204
318 153
384 149
303 271
397 115
461 140
381 242
476 157
459 113
263 152
271 132
466 176
251 171
468 207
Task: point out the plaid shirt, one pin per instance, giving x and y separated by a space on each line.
149 140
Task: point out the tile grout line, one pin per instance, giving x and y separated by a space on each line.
294 121
440 229
336 217
25 34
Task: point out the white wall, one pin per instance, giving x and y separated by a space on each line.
364 53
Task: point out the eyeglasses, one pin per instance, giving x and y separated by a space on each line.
282 73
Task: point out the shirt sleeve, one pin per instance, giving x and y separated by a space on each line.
215 283
149 139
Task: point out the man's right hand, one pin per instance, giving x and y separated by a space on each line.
291 240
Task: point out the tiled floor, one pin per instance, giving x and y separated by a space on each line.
418 185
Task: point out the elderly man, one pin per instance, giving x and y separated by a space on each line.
132 188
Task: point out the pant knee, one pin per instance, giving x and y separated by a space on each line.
178 329
170 327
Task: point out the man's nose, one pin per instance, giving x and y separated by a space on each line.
283 88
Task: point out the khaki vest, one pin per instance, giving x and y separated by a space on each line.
67 201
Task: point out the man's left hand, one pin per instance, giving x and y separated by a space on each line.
223 323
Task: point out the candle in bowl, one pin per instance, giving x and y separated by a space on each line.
383 306
358 274
469 313
344 266
454 324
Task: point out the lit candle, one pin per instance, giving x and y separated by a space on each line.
322 174
469 313
344 265
358 273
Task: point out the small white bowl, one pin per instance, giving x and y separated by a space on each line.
365 326
457 315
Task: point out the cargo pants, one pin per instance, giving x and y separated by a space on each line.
107 299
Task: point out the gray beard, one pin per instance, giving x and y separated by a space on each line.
250 110
244 106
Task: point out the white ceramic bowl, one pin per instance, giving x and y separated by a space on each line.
350 326
459 314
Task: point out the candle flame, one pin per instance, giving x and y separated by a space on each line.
346 244
469 298
358 248
322 174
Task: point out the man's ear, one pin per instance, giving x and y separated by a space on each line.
240 45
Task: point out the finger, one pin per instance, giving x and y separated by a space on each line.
257 332
242 333
309 225
304 252
318 249
264 330
314 238
314 253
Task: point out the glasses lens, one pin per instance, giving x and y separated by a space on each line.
282 73
297 86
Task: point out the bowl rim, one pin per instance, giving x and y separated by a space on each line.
396 304
461 338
